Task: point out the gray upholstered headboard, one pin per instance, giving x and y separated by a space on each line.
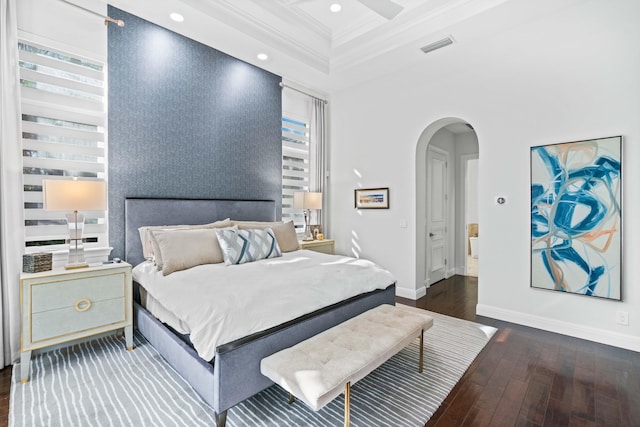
140 212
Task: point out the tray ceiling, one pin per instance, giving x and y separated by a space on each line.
307 43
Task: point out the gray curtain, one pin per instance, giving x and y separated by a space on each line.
11 212
319 136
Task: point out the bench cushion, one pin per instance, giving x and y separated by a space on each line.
317 370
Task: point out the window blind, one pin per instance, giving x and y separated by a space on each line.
63 136
295 167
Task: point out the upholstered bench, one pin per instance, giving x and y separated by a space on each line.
320 368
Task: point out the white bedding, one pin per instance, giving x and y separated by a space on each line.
218 304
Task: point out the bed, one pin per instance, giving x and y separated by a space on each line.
233 374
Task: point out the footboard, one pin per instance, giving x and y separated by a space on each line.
235 375
237 364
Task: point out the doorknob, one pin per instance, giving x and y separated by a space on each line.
431 234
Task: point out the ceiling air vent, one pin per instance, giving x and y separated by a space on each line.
437 45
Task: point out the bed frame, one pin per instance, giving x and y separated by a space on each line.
234 373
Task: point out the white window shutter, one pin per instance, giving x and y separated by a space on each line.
295 167
63 135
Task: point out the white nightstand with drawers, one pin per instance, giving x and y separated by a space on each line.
61 305
326 246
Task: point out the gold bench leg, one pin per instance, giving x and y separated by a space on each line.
421 352
347 404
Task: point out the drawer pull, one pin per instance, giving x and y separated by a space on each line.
83 304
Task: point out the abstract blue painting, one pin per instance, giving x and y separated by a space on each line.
576 217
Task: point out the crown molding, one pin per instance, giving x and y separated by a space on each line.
407 29
270 25
308 22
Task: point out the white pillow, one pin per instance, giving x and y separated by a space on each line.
240 246
186 248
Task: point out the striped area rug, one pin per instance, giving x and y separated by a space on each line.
100 384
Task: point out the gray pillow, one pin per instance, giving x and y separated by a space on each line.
286 236
186 248
149 246
285 232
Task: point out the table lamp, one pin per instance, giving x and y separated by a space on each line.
307 200
74 195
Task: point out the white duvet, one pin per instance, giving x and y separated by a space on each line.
219 304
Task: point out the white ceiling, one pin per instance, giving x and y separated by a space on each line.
306 43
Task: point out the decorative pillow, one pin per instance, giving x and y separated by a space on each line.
240 246
185 248
285 232
146 236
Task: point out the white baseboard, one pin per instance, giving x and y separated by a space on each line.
615 339
413 294
450 273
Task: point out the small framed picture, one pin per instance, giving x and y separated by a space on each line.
372 198
315 230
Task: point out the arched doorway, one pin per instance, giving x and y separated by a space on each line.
454 140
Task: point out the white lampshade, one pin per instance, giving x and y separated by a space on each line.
74 195
307 200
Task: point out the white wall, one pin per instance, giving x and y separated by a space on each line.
560 77
471 202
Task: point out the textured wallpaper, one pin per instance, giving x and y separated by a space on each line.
186 121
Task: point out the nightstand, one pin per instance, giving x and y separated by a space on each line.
61 305
326 246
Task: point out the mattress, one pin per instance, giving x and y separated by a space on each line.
217 304
154 307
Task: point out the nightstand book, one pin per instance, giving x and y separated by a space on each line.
60 306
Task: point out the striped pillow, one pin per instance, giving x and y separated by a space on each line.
240 246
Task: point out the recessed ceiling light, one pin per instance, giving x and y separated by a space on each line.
263 56
176 17
336 7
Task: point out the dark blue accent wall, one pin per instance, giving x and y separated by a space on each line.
187 121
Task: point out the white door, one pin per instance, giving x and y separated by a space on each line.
436 231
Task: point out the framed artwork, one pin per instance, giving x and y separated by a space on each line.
315 230
372 198
576 217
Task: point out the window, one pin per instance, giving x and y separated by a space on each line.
295 167
63 136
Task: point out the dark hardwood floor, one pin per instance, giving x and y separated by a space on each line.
523 377
529 377
5 388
